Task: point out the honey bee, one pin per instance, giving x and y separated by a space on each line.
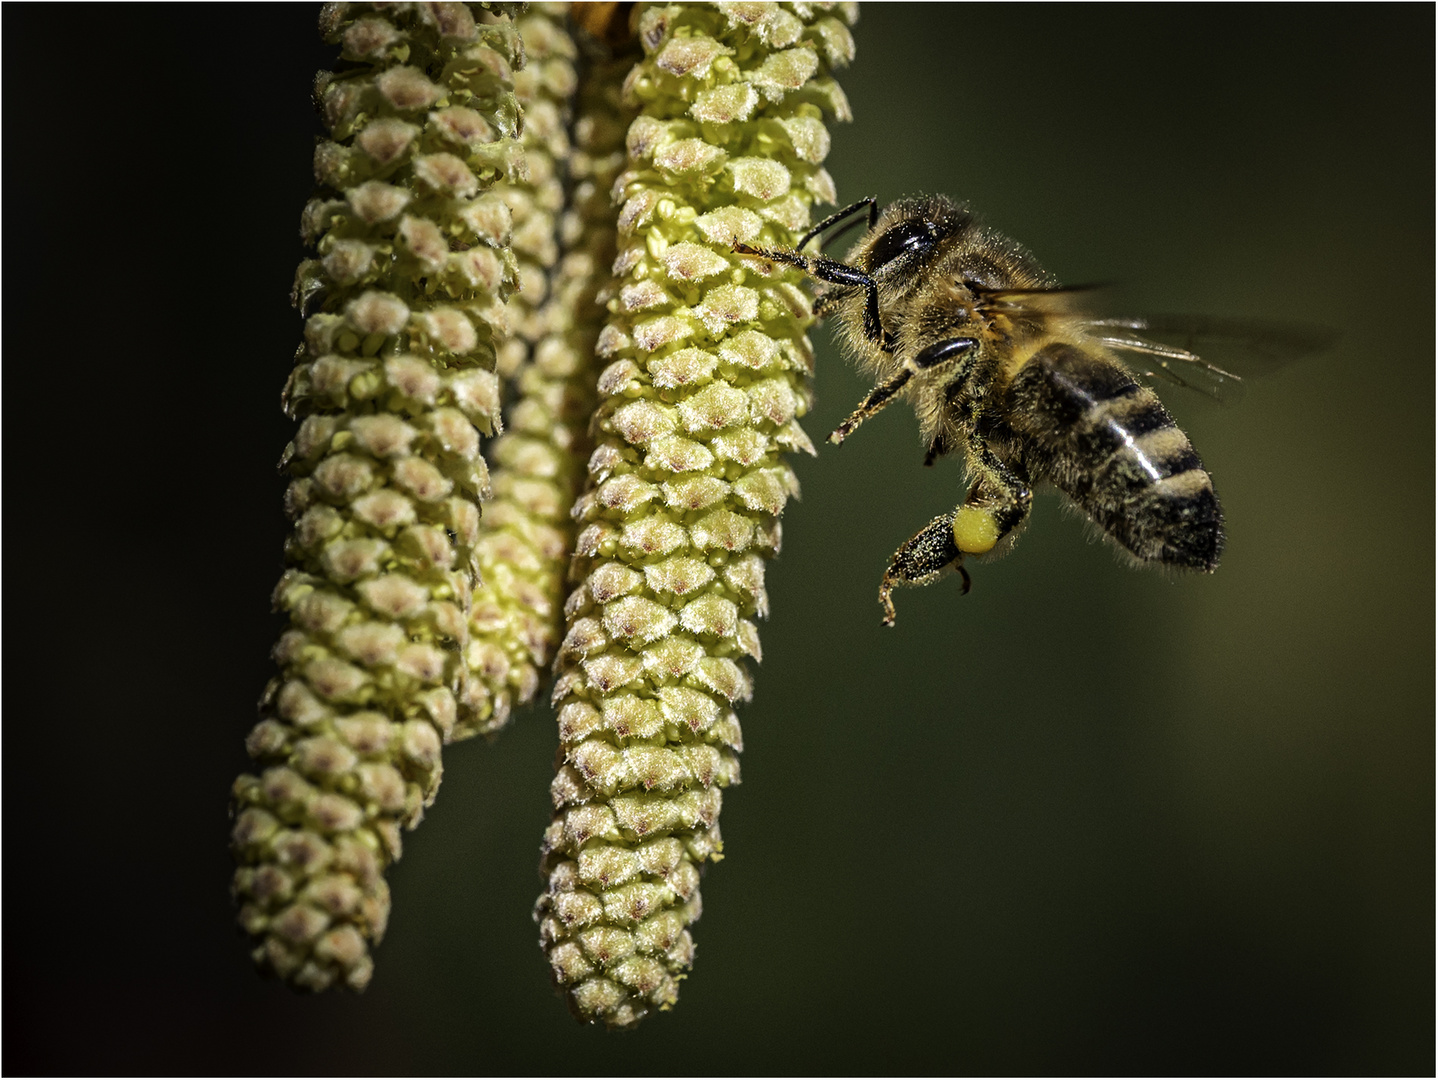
1001 363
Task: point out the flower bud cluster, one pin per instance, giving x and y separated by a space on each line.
706 374
394 384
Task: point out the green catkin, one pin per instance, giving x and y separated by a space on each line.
707 371
526 534
395 382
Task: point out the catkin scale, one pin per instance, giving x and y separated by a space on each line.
706 373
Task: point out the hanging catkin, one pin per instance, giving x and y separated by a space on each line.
707 368
395 382
564 252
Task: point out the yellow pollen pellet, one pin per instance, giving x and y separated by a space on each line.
975 530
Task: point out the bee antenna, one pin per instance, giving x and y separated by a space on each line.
871 202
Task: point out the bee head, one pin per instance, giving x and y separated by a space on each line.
907 233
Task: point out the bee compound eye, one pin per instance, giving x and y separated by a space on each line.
899 240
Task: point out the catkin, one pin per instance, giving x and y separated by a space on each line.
706 373
527 535
395 382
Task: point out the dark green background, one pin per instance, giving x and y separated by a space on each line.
1083 820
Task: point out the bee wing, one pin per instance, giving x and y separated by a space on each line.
1043 300
1237 348
1182 367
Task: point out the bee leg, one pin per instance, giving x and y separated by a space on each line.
998 503
938 355
937 449
921 560
968 581
878 397
836 273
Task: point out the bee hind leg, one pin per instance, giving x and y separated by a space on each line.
998 503
926 555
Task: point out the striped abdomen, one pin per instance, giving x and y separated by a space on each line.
1109 444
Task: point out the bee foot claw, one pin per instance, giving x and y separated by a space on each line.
886 602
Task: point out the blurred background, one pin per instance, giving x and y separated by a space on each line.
1083 820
